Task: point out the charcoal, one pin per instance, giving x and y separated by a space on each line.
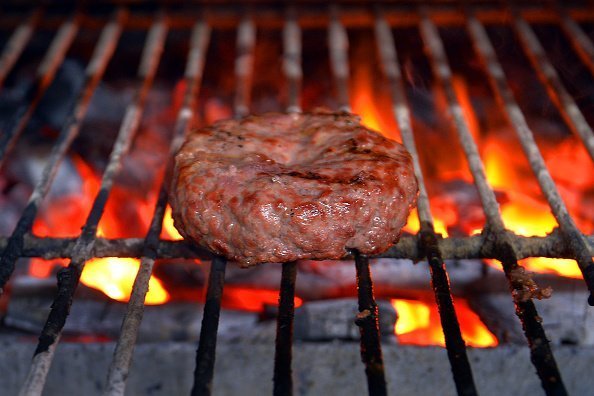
335 319
27 167
92 313
12 203
496 310
565 316
54 107
318 280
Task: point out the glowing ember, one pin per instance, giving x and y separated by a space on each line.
65 216
563 267
525 216
40 268
526 212
253 300
418 323
115 276
528 217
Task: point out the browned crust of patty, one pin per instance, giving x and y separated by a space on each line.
282 187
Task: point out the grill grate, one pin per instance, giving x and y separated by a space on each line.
541 354
494 242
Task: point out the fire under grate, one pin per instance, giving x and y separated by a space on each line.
495 241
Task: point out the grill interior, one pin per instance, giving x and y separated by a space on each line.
290 22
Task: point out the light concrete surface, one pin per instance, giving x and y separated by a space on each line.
319 369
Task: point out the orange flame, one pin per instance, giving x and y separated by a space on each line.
374 108
114 276
169 231
527 217
563 267
376 113
418 323
363 105
412 315
413 226
463 95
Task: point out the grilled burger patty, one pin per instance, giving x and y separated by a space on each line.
282 187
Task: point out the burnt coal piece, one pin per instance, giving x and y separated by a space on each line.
335 319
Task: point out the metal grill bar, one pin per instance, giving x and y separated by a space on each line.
244 65
368 317
17 43
205 357
549 77
283 376
338 44
103 52
455 345
43 78
283 380
368 322
441 70
292 61
541 354
68 278
580 40
122 359
574 238
452 248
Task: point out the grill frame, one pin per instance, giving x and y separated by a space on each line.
495 242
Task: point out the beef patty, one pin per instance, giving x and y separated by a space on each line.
281 187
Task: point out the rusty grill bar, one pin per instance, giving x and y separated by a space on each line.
283 356
494 242
120 366
579 246
17 43
428 238
557 91
283 376
368 316
45 75
103 52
